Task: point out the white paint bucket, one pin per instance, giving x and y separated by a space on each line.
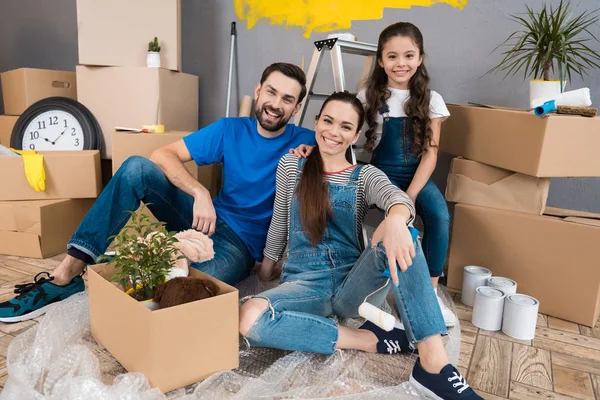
487 311
473 277
520 316
508 286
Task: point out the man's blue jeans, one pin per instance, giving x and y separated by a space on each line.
140 180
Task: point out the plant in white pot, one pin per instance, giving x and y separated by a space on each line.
153 57
550 40
144 254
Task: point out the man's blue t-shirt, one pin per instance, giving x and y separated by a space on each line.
245 202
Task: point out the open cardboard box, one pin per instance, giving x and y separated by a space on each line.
553 257
173 347
519 141
471 182
39 228
127 144
69 175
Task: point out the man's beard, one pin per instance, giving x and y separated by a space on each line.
267 125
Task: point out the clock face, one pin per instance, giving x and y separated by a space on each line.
53 130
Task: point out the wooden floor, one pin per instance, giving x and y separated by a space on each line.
562 362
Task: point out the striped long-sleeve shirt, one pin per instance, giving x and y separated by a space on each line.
374 188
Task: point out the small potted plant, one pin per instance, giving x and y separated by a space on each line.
153 57
550 40
144 255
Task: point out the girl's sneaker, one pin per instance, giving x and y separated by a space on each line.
449 384
449 317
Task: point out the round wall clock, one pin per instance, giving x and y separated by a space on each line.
56 123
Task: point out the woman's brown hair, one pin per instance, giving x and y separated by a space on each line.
417 105
312 190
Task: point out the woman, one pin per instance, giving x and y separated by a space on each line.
320 204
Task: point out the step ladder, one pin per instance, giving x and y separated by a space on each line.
336 48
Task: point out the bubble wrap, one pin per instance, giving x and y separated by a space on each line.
58 359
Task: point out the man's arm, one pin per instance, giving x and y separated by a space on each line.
170 159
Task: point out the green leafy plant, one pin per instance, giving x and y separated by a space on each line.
153 45
145 252
550 38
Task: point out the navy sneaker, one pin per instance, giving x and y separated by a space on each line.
394 341
448 384
35 298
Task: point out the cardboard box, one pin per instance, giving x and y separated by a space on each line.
552 146
553 257
39 228
135 96
69 175
470 182
126 144
7 123
117 33
173 347
24 86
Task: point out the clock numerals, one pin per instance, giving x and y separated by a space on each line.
73 132
32 146
53 120
77 142
34 135
41 125
65 123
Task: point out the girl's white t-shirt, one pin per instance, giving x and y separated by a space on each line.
437 107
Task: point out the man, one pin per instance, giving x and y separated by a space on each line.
237 219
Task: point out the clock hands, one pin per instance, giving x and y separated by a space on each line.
58 137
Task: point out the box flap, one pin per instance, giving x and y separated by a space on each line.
24 216
22 244
478 171
579 217
495 107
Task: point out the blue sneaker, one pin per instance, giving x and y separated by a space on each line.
449 384
35 298
394 341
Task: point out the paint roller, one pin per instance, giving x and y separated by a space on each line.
574 102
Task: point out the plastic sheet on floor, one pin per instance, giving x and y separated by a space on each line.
58 359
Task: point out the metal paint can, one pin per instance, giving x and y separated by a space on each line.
487 311
520 316
473 277
508 286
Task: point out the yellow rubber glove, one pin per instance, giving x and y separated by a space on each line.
34 169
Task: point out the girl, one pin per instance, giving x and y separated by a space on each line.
404 119
320 204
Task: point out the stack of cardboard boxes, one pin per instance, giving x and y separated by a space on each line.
501 220
39 224
180 345
115 83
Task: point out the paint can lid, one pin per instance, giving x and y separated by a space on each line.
476 270
498 281
522 300
489 292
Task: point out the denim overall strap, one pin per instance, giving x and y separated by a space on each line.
340 239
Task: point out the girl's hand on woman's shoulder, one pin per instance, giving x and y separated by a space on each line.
302 151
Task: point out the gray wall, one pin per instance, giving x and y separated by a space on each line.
42 33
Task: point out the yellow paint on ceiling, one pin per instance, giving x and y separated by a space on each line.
324 15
